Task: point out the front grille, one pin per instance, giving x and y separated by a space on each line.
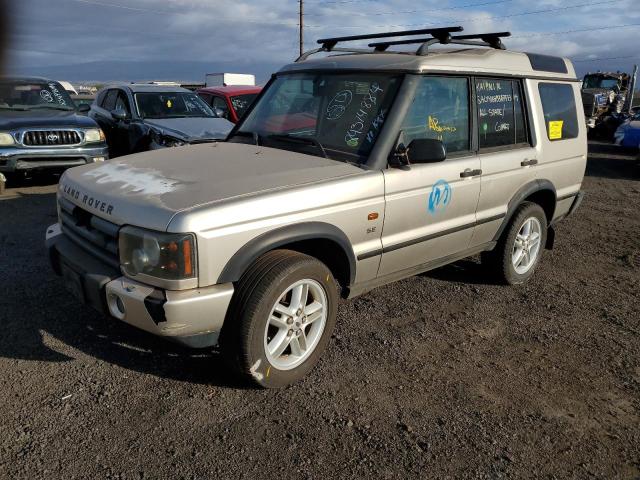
96 235
41 138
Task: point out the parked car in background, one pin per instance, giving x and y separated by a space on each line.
139 117
628 134
82 99
232 101
42 128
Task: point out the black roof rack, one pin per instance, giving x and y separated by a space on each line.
329 44
437 36
492 40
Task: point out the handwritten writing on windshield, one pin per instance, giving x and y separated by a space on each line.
57 95
357 128
339 104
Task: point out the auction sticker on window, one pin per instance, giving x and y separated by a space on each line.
555 130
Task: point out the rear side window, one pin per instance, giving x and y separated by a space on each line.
501 119
440 110
559 107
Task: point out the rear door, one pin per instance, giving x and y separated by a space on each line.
431 208
507 158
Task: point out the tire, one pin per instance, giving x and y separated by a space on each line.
503 260
263 316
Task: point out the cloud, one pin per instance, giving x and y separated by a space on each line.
46 33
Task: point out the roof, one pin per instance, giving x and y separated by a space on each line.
232 89
461 60
149 87
25 79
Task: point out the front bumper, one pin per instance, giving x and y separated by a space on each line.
13 159
192 318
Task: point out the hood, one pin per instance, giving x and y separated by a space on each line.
16 119
148 189
192 129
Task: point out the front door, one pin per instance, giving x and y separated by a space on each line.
431 208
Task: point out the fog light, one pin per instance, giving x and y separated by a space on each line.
116 306
98 159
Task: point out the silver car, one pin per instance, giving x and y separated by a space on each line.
349 172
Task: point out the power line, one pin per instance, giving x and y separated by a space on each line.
460 7
581 30
484 19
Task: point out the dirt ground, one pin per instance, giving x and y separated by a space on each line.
439 376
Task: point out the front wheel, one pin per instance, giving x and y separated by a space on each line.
518 252
280 319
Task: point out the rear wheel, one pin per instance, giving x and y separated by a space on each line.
518 252
280 319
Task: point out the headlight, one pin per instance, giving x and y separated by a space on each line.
94 135
166 256
6 139
167 141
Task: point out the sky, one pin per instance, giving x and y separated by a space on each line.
183 39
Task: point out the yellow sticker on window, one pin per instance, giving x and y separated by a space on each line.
555 130
169 104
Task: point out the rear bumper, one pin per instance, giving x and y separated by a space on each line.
193 318
14 159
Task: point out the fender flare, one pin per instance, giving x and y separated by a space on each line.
278 237
525 191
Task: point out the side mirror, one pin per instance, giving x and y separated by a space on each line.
83 108
220 113
426 150
118 114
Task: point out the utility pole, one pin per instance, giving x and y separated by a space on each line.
301 27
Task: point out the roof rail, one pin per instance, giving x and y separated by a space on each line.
329 44
492 40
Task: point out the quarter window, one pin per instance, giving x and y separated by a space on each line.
440 110
559 107
501 119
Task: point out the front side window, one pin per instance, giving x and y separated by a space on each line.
171 105
336 114
440 110
559 107
109 101
122 104
501 119
25 95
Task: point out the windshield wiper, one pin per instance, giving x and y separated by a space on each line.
51 107
19 109
295 139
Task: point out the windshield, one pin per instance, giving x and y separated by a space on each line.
19 95
338 115
172 105
600 82
242 102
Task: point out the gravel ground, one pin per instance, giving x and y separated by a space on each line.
443 375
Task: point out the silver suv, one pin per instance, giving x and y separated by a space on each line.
350 171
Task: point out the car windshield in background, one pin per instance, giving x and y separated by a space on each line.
600 82
327 114
171 105
34 96
242 102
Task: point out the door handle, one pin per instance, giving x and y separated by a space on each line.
470 173
528 163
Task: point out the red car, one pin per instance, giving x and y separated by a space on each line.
233 100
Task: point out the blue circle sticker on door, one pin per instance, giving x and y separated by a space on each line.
440 196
